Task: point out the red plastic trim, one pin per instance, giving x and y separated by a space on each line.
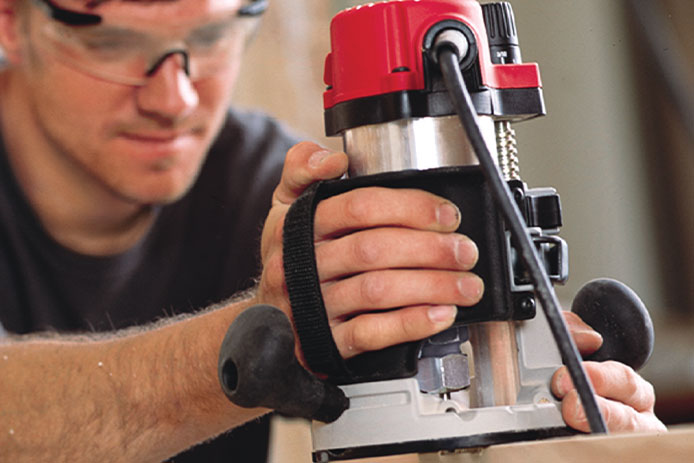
377 49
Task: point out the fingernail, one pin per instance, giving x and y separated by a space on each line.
563 384
440 314
596 335
466 252
447 215
471 287
590 337
317 158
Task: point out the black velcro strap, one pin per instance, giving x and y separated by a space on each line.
303 285
465 186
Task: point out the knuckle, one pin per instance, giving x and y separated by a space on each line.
622 418
366 251
599 379
572 320
372 289
348 340
634 421
407 326
298 151
361 337
278 231
632 385
649 393
597 373
607 413
274 270
356 207
627 377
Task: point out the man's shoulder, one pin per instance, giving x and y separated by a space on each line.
253 133
244 164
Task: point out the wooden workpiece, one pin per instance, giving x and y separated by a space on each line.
674 446
291 444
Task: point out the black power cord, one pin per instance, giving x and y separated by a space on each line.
448 59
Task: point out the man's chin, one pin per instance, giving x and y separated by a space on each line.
164 198
160 194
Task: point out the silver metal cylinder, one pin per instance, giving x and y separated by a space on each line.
428 143
418 143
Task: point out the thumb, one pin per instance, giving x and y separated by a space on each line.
307 163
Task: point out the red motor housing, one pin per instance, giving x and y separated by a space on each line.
380 49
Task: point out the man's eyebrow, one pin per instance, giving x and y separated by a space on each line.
110 31
95 3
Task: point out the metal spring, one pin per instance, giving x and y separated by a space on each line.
507 150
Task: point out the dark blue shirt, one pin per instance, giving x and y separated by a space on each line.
200 250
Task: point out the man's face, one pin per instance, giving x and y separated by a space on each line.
145 143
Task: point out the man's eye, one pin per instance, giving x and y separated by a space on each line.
207 38
216 35
105 45
110 43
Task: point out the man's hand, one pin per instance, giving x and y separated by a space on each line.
625 398
377 249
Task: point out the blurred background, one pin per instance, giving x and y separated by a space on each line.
616 143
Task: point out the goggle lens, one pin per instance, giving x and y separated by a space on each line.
130 56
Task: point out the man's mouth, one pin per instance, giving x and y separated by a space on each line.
157 136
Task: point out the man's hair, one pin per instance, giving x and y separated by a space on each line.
95 3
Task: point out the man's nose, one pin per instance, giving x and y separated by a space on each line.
168 93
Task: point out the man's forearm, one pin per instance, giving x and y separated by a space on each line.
144 396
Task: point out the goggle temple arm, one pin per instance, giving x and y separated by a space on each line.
69 17
76 18
256 8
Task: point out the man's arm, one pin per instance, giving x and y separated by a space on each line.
148 395
143 396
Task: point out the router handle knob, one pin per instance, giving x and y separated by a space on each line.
501 33
618 314
257 368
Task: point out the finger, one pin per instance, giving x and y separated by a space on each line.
388 289
612 380
617 381
305 164
618 416
586 338
375 331
384 248
379 207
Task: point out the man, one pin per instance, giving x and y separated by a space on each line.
129 192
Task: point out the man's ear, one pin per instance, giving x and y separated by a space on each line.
10 36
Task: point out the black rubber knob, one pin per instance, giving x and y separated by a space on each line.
616 312
257 368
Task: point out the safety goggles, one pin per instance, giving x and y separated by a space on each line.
125 55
